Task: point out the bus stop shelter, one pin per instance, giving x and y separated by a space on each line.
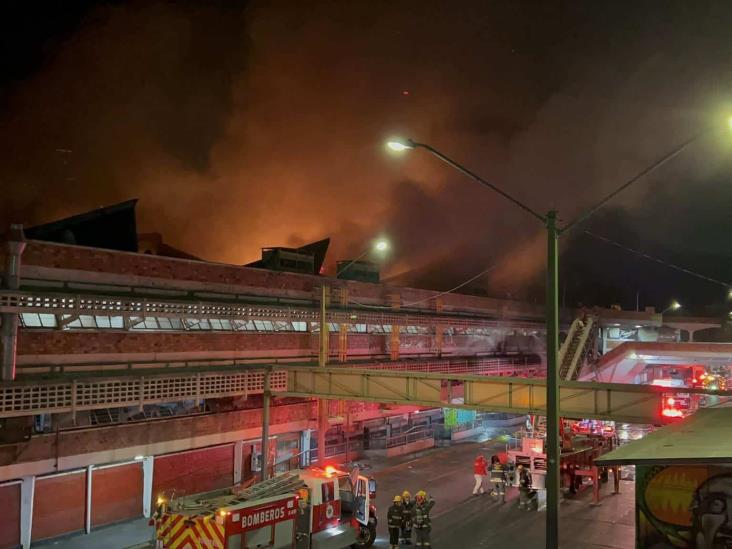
683 488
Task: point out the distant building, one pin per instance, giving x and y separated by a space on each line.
364 271
111 228
306 259
152 244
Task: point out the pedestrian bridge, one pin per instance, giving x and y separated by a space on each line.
73 391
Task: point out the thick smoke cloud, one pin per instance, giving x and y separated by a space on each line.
241 126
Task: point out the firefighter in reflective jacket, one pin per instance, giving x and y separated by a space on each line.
421 519
498 478
524 487
408 504
395 518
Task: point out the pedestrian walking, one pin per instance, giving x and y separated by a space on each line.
408 505
395 518
480 471
422 522
498 479
524 487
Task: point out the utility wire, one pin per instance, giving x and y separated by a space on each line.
657 260
466 282
657 164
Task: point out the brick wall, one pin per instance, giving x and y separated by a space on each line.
70 443
47 342
10 516
59 505
116 494
45 254
192 472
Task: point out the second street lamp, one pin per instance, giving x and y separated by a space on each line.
549 220
552 336
381 245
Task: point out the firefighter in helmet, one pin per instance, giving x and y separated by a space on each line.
421 518
498 479
524 482
408 504
395 519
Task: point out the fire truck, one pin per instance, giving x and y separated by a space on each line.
307 509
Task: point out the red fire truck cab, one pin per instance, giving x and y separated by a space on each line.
310 509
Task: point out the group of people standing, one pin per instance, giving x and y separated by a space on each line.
499 478
406 515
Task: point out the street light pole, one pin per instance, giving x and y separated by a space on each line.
553 451
380 246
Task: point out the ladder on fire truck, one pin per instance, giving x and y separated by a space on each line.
275 486
577 347
538 426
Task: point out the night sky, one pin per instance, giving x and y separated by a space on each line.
249 124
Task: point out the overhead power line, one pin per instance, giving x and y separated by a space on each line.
464 283
658 260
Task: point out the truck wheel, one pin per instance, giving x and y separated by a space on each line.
366 536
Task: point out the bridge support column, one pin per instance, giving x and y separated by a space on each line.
305 437
343 329
322 362
439 329
552 383
27 492
11 281
394 342
147 485
265 427
238 460
88 513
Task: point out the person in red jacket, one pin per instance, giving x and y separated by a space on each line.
480 471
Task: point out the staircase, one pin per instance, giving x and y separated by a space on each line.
576 349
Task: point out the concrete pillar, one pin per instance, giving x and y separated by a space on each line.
27 491
147 485
238 449
11 281
323 362
322 428
88 513
305 437
265 427
394 343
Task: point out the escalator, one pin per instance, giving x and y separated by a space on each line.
577 351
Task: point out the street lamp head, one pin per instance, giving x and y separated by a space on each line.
675 305
399 145
381 245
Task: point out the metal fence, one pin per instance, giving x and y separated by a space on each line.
484 366
401 439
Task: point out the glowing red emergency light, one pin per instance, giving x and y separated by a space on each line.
671 412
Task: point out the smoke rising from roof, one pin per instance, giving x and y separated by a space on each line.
240 127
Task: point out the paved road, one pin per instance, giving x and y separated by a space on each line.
460 520
463 520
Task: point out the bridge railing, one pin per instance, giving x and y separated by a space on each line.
515 395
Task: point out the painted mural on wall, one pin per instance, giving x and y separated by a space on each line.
684 507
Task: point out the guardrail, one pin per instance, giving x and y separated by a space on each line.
401 439
28 398
132 305
467 365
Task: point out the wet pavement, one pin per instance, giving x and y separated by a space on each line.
460 520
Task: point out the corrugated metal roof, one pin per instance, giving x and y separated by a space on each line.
704 437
